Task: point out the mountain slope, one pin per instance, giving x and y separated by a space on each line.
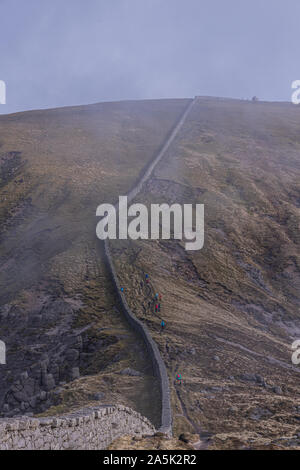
231 309
57 306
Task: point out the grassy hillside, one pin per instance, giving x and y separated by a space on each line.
57 306
231 309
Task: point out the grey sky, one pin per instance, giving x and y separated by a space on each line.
66 52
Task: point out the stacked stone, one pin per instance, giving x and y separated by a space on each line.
88 429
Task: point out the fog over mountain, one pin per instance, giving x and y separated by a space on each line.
73 52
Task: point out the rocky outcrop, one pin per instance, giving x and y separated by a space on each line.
33 390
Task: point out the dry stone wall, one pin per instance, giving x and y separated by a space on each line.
89 429
158 363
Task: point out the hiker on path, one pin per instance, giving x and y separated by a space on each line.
178 378
162 325
156 308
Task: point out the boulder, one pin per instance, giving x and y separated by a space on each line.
48 381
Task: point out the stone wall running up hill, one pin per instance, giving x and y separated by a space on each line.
96 428
158 363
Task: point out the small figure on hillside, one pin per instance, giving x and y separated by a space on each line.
179 378
156 296
159 297
122 289
156 308
162 325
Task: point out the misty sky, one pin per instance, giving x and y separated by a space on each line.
65 52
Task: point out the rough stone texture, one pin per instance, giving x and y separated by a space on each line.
27 382
89 429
